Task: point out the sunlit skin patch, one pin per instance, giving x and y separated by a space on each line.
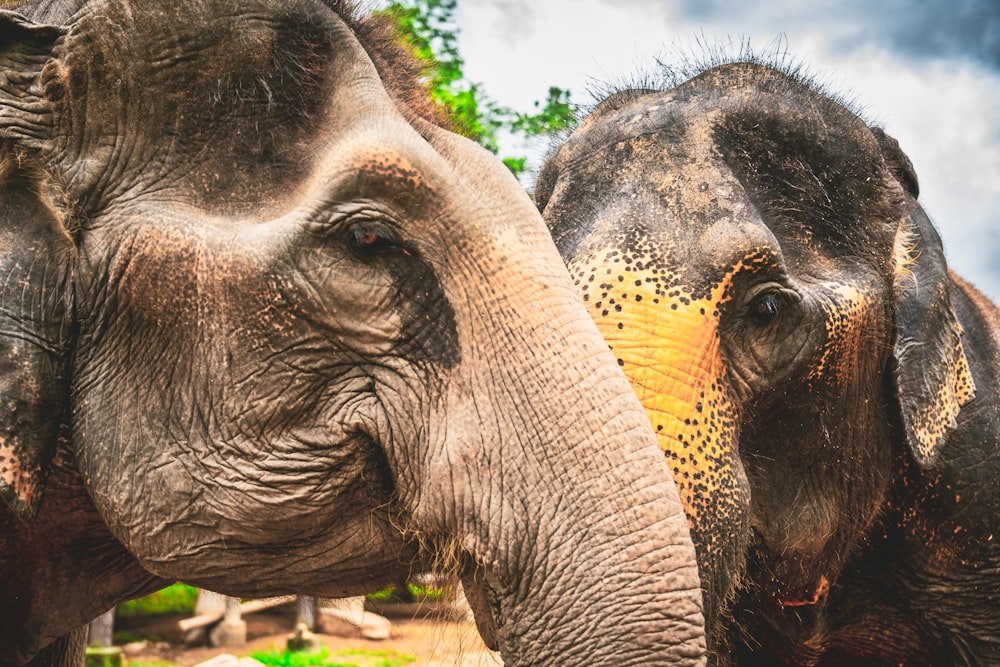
667 342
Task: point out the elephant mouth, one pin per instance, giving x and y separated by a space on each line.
482 602
807 596
790 583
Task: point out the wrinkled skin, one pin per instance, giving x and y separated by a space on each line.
265 328
824 390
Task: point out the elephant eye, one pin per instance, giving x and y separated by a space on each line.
370 240
765 308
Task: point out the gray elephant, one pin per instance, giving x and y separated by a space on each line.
266 327
823 387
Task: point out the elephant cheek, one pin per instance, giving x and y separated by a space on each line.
668 345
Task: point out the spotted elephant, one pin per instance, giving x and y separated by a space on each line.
823 387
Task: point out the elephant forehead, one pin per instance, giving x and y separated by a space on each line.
739 143
229 102
669 190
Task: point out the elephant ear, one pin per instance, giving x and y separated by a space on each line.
35 261
933 379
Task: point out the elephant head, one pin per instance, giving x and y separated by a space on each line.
299 338
754 255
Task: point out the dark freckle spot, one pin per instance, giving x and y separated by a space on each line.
621 363
638 297
702 310
618 308
586 297
638 283
621 279
604 313
673 306
659 427
656 300
621 326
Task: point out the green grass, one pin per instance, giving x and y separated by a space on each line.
323 658
176 599
419 593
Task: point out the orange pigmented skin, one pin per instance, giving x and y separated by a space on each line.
667 342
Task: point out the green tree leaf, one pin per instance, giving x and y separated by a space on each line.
429 31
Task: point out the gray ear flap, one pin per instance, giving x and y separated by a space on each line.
35 253
898 162
35 314
933 379
25 49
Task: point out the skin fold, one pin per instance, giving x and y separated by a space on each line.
823 388
266 327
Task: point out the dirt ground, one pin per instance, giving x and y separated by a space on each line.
434 642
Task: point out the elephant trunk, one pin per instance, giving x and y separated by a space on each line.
575 547
667 342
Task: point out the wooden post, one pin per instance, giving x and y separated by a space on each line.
305 610
232 631
102 629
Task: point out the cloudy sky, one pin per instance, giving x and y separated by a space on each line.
926 70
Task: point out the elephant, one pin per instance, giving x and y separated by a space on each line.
823 387
268 327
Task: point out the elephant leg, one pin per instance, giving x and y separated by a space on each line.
66 651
